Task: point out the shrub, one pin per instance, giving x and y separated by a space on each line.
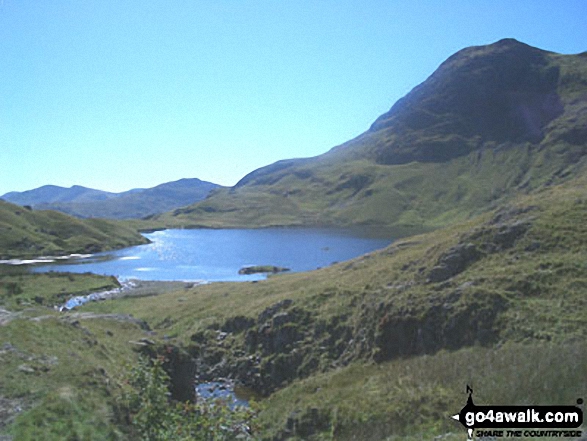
156 418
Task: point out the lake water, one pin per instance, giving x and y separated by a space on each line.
217 255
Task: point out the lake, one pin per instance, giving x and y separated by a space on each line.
217 255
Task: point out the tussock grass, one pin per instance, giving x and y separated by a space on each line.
415 397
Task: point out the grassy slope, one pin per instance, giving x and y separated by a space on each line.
19 289
361 182
27 233
60 376
66 371
512 323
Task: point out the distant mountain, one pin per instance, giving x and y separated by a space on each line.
136 203
49 194
490 123
27 233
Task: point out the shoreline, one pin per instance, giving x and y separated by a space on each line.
43 259
128 288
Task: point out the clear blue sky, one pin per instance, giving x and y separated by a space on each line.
117 94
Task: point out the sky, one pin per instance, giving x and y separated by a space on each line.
116 95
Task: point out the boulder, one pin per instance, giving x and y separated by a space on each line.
453 262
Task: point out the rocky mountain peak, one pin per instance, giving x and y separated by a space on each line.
502 92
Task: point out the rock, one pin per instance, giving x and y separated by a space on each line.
535 245
281 319
10 408
147 341
453 262
181 368
237 324
508 213
73 319
273 309
284 338
503 231
454 322
26 369
261 269
507 234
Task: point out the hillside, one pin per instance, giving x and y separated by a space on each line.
384 344
490 123
378 348
29 233
133 204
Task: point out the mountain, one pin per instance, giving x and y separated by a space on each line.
490 123
49 194
136 203
29 233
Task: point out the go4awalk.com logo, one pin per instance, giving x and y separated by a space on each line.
520 421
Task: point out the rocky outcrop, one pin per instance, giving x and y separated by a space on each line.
179 365
306 423
452 322
499 234
261 269
453 262
271 350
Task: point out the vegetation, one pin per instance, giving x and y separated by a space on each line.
61 373
384 344
20 289
491 123
379 347
25 233
154 419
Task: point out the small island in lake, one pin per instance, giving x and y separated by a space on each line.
257 269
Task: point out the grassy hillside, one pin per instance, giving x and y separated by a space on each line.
61 374
491 123
29 233
380 347
384 344
377 348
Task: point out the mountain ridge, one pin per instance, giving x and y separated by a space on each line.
55 193
491 122
135 203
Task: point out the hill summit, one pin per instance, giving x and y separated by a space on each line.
503 92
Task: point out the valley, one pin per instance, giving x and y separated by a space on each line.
482 170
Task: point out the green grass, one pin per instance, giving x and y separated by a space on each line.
21 289
343 315
28 233
529 348
64 374
415 397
